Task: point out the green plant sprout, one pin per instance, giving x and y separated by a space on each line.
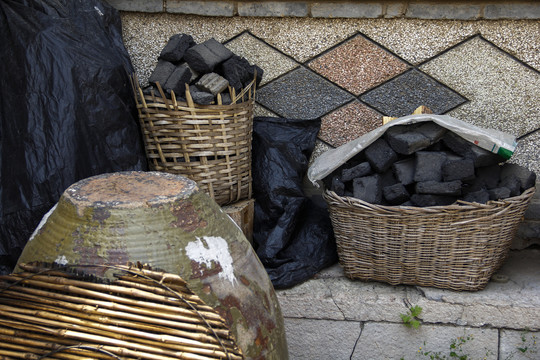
411 318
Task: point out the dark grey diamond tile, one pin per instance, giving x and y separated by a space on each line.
301 94
403 94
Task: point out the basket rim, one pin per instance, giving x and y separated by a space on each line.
461 205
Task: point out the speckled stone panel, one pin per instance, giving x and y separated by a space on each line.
504 94
347 123
301 94
403 94
358 65
273 62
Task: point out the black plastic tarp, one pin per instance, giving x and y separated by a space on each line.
67 110
292 232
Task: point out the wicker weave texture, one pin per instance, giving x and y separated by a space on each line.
210 144
50 313
456 247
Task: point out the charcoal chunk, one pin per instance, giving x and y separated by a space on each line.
499 193
428 165
338 186
488 177
424 200
408 142
513 183
368 188
204 57
200 97
396 194
380 155
481 157
404 170
178 79
432 131
359 170
161 72
480 196
526 177
176 47
461 169
439 188
236 70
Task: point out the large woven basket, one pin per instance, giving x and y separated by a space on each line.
456 247
210 144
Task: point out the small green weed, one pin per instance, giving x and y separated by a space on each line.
411 318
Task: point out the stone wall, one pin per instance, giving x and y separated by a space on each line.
459 10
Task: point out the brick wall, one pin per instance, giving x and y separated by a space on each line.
457 10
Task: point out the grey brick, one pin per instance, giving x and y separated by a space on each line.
212 83
204 8
421 10
273 8
395 10
151 6
347 10
529 10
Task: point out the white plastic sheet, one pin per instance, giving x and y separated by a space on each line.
492 140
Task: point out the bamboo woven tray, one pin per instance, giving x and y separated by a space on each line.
210 144
53 313
456 247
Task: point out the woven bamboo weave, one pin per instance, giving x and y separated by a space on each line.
51 313
456 247
210 144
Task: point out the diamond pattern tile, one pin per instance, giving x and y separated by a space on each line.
301 94
403 94
257 52
358 65
347 123
503 93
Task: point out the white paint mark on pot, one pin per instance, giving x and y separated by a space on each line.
212 248
61 260
42 222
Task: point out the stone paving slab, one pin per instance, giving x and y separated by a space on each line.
514 304
333 317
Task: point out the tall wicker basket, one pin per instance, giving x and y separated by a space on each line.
210 144
456 247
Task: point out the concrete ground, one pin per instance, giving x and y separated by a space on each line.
333 317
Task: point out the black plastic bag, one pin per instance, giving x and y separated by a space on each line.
67 109
292 232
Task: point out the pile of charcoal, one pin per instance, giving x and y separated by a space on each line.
208 68
425 164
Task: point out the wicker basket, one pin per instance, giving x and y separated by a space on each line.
456 247
210 144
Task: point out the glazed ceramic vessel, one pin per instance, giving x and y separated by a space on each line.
163 220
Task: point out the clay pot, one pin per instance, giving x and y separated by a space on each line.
163 220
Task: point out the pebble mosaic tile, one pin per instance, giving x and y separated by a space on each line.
403 94
358 65
347 123
302 94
